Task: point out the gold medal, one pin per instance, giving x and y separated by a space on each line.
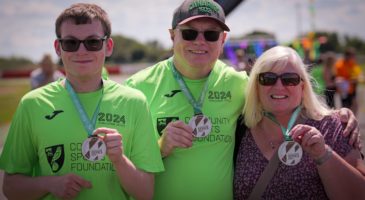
93 149
201 125
290 153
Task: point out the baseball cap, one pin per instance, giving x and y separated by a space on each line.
194 9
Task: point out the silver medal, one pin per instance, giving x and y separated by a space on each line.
290 153
201 125
93 149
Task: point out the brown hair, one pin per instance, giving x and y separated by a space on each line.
84 13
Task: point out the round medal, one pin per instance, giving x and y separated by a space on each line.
290 153
201 125
93 149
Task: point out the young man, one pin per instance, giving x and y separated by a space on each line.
81 137
195 100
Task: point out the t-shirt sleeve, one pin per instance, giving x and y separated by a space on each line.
19 154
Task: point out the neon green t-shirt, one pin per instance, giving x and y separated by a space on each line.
46 136
205 170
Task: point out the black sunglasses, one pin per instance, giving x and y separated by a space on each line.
91 44
287 79
191 34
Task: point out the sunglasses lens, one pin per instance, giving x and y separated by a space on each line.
287 79
189 34
290 79
70 44
211 36
267 78
93 44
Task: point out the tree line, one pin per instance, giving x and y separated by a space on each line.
128 50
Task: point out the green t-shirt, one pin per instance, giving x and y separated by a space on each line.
205 170
46 136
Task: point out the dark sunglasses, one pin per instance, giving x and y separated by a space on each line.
191 34
91 44
287 79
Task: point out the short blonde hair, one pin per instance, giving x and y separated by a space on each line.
274 59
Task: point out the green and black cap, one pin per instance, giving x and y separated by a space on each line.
194 9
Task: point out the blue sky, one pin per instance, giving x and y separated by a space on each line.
27 26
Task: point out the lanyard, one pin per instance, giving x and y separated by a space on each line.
197 105
292 120
88 125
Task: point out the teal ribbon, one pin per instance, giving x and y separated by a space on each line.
292 120
89 125
197 105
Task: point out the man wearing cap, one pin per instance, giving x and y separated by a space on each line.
194 86
195 100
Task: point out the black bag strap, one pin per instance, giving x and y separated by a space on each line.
239 134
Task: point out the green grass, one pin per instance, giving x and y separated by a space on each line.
11 92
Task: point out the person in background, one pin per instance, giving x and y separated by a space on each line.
348 73
195 100
329 60
243 61
290 126
45 74
82 137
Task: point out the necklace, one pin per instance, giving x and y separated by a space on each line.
273 144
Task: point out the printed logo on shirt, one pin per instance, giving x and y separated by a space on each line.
55 156
219 95
111 119
163 121
173 92
53 115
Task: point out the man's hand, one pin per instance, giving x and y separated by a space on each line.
67 186
352 128
113 143
176 134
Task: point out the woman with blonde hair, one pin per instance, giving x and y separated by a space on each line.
312 160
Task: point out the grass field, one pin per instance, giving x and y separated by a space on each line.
11 92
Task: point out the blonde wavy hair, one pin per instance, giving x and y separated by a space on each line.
274 59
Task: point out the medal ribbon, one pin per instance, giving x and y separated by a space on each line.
88 125
197 105
292 120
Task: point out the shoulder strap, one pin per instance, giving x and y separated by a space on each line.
265 178
239 134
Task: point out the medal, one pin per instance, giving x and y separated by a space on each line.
201 125
93 149
290 153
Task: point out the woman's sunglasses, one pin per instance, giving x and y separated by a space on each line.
191 34
91 44
287 79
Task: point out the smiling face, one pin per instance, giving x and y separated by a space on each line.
280 99
196 58
83 64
